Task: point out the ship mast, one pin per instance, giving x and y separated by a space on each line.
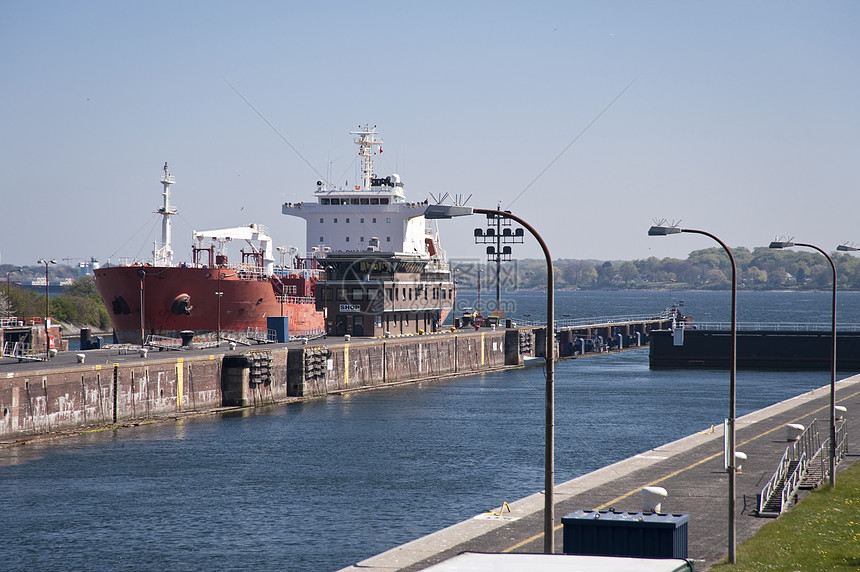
162 255
366 141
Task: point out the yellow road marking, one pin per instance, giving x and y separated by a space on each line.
676 473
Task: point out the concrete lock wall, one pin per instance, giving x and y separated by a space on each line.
38 402
45 401
316 371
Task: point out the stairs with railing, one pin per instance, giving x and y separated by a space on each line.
804 465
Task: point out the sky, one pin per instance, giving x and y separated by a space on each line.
590 120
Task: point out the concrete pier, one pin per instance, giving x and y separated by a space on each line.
97 388
690 470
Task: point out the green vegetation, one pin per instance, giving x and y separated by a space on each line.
709 269
821 533
80 304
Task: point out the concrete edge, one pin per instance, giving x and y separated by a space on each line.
426 546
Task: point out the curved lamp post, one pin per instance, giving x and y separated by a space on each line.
141 273
8 274
450 211
789 244
733 352
47 304
219 293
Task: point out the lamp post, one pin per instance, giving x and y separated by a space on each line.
660 230
789 244
454 309
47 305
450 211
8 291
479 291
219 293
142 274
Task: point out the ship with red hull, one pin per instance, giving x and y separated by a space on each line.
211 297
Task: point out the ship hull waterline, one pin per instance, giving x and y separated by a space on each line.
176 299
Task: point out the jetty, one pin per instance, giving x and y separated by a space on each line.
44 391
690 471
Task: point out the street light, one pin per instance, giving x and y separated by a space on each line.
789 244
661 230
8 292
450 211
454 310
47 306
219 293
142 274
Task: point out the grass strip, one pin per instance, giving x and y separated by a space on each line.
821 533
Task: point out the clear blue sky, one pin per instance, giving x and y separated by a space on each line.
743 120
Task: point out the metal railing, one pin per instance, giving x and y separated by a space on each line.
163 342
772 326
22 352
810 453
773 484
841 441
14 321
595 321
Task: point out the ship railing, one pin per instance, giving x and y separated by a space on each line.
295 299
314 273
248 272
772 326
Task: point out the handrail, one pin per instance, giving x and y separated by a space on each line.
792 482
14 321
296 299
841 441
772 326
595 321
774 481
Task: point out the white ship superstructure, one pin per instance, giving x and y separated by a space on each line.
345 219
385 273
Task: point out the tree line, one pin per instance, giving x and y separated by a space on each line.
79 304
709 269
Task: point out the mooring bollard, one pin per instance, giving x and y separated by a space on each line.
793 431
739 459
841 411
652 498
81 357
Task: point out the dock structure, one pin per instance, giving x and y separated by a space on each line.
117 384
759 346
690 470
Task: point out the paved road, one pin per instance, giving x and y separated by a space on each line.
691 470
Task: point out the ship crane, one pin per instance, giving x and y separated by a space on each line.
250 234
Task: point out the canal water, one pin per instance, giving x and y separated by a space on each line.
323 484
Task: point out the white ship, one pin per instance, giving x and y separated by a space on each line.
385 272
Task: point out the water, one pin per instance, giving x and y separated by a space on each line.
321 485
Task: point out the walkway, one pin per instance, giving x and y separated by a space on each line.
690 469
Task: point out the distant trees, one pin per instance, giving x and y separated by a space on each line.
759 269
80 304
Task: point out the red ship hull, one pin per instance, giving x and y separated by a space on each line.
174 299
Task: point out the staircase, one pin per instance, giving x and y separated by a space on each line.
804 465
774 505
